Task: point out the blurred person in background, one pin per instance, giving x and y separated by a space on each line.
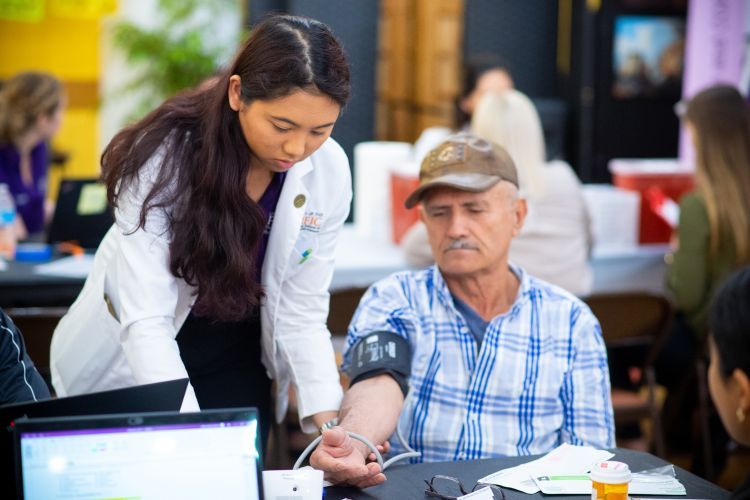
712 240
483 73
555 241
729 371
31 109
19 379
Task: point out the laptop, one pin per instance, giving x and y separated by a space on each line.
160 396
82 213
211 454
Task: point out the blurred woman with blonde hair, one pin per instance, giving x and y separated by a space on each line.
555 242
31 107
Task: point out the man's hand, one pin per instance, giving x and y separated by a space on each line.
343 462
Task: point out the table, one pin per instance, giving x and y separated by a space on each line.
20 286
406 481
361 261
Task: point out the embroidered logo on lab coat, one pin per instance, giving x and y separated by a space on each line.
311 222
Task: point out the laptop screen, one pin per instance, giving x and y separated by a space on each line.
82 213
213 454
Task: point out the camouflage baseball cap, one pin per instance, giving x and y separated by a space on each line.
464 161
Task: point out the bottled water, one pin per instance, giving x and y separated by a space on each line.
7 223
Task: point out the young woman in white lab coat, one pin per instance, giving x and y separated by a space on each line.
229 199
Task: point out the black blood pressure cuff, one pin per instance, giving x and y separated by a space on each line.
381 353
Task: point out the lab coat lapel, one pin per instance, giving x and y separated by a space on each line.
285 229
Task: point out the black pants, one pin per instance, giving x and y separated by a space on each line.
223 361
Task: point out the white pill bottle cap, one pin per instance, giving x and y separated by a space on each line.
611 472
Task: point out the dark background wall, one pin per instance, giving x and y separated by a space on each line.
524 33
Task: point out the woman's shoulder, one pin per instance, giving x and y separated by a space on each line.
692 199
562 182
693 206
560 170
331 152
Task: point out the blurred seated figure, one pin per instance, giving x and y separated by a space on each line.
712 241
483 73
31 108
19 379
555 242
729 371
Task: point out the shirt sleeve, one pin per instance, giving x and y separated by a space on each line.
588 418
147 291
687 276
301 332
19 379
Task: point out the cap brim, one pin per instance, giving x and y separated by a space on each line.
475 183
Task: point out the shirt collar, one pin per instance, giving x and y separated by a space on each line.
443 294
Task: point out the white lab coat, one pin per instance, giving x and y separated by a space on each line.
96 349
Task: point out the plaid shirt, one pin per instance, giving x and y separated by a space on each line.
538 379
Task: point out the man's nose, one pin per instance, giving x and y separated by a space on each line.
457 226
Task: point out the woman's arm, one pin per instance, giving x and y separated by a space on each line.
145 291
687 275
301 334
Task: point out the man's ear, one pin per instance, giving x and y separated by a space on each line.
234 92
520 210
420 207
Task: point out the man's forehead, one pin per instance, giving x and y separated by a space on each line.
448 194
441 194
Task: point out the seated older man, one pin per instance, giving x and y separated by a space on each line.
471 358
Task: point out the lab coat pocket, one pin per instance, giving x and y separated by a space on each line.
304 250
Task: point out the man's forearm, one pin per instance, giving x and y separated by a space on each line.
371 408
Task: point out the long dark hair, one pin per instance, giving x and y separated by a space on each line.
729 323
474 68
721 119
215 227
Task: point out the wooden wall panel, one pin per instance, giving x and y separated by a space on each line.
419 61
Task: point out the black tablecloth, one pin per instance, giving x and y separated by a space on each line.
20 286
406 481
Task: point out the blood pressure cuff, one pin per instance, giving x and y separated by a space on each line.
379 353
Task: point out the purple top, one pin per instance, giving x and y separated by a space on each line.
268 203
29 199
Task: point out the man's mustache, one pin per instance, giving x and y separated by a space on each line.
460 244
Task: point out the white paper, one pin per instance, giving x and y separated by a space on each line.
641 484
481 494
76 266
565 459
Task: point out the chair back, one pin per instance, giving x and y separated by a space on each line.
632 319
343 305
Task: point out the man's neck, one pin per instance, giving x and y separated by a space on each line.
489 294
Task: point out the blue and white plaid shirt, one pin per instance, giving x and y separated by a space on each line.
538 379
